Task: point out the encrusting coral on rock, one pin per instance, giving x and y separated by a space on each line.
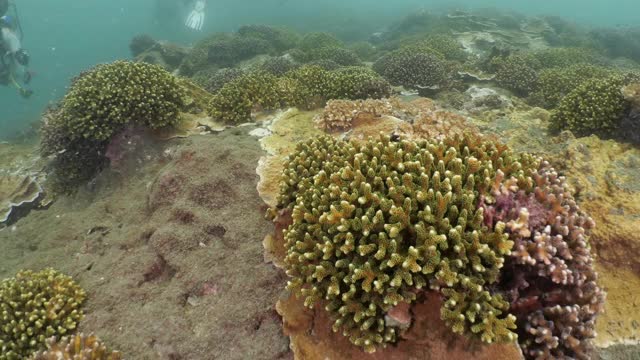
35 306
77 347
375 223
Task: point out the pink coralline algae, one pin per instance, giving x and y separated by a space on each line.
123 144
549 277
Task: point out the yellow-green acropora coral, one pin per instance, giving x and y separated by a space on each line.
555 83
35 306
108 96
374 222
76 347
596 106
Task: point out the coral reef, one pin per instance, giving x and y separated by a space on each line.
163 53
548 278
563 57
228 49
515 73
214 79
555 83
197 59
99 104
77 347
109 96
445 45
316 80
365 50
338 55
316 40
306 87
277 66
618 42
414 68
280 39
358 83
356 248
379 243
236 100
35 306
596 106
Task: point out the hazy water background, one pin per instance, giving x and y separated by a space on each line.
65 37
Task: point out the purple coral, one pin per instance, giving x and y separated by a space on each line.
549 277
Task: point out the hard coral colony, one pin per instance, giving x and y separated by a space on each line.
498 235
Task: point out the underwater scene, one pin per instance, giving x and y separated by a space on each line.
336 180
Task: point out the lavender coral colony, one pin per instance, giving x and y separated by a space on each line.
377 223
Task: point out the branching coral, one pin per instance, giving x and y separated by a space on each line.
230 49
562 57
414 67
375 222
549 278
358 83
99 104
277 66
106 98
280 39
340 56
197 59
555 83
516 73
596 106
315 40
317 80
237 99
497 234
446 45
365 50
77 347
214 79
35 306
306 87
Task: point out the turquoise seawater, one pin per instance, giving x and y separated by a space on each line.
65 37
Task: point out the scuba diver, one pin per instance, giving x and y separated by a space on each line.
195 20
13 58
166 11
